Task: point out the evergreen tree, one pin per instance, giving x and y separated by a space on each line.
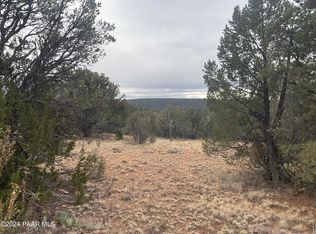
91 103
259 54
41 43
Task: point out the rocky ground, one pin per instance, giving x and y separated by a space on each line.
173 187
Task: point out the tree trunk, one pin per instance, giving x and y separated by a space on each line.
274 162
272 151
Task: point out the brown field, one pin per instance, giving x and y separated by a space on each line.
173 187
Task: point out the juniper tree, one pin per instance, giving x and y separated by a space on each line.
258 56
41 43
42 40
142 125
91 103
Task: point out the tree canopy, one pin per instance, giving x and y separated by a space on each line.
42 44
264 57
43 40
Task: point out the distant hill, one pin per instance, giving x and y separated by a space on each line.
161 103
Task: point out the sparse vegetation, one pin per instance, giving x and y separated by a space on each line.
155 190
89 165
61 123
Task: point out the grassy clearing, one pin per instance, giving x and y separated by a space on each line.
172 187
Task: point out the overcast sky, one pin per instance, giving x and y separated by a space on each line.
162 45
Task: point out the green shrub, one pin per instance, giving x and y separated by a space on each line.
142 125
65 219
301 161
26 169
307 158
89 165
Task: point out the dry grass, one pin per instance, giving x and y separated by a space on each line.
172 187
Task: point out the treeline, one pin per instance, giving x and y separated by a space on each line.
162 103
263 90
172 123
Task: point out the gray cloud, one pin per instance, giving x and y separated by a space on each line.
162 44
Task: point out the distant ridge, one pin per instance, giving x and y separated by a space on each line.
162 103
